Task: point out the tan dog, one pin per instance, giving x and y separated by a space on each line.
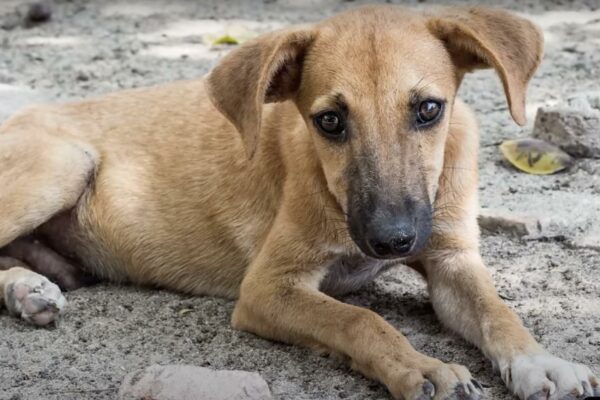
362 158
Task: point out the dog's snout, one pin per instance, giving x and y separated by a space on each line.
386 230
395 241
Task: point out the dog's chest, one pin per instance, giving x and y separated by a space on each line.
348 274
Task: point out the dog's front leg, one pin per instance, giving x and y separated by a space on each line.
462 291
279 300
465 299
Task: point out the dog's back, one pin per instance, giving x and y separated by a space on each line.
169 201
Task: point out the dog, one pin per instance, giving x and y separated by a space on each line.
308 161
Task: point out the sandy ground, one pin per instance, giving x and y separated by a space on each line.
93 47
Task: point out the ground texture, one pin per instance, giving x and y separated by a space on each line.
551 280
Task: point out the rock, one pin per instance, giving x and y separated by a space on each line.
38 13
572 217
574 126
82 77
10 21
590 166
187 382
591 242
508 224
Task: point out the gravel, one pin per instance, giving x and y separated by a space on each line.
92 47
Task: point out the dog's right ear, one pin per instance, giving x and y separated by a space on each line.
265 70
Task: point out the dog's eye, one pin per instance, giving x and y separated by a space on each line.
429 111
331 125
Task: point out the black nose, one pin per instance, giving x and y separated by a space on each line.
392 244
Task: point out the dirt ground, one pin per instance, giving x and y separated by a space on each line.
551 279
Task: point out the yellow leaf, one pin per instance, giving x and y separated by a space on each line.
225 39
535 156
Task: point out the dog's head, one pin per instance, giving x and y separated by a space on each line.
376 88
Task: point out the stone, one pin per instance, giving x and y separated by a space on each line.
507 223
573 126
589 239
10 21
565 216
38 13
187 382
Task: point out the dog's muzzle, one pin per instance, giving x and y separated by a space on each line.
390 231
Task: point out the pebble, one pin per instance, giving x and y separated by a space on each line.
500 221
38 13
187 382
573 126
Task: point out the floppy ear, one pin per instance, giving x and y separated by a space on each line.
265 70
478 37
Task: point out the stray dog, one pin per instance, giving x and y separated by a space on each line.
308 161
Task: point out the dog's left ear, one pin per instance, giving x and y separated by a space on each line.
265 70
478 37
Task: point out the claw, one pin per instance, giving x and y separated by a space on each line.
461 390
53 306
472 390
428 391
461 393
477 385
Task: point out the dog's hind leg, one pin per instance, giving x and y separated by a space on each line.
31 296
9 262
40 176
42 259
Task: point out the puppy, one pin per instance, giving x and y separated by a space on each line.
308 161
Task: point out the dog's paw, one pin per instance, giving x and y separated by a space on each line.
447 382
545 377
34 298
